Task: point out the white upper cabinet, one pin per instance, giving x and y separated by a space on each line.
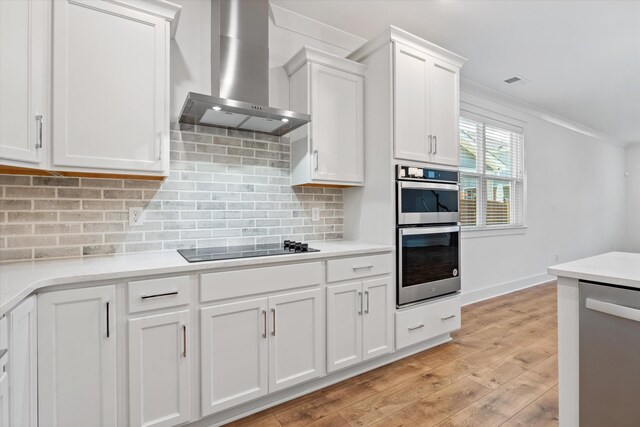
24 85
110 88
426 107
330 149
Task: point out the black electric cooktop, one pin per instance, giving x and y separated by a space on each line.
247 251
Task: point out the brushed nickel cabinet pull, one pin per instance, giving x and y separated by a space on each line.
362 267
159 295
316 160
360 297
366 294
108 326
273 317
264 325
184 340
420 326
435 144
451 316
39 131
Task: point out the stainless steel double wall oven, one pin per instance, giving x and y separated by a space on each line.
428 233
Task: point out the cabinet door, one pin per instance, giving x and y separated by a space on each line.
445 107
411 104
23 353
4 398
344 325
24 73
377 328
110 87
159 370
233 354
295 346
337 110
77 358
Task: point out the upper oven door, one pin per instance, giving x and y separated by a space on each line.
427 203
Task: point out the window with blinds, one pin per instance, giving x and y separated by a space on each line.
491 173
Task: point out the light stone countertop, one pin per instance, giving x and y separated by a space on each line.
616 268
19 280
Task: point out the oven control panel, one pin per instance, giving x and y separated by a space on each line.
426 174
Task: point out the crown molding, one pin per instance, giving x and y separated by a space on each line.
473 88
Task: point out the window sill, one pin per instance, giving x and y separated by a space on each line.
474 233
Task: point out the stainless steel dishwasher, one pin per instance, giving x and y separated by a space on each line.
609 355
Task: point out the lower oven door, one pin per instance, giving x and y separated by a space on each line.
428 262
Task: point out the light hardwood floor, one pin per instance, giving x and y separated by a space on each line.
500 369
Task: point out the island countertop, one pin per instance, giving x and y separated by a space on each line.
616 268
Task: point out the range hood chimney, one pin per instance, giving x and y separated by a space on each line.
240 74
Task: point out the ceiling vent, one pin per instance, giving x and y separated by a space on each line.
513 79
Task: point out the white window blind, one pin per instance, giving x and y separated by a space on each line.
491 173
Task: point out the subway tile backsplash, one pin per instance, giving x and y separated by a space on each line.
225 188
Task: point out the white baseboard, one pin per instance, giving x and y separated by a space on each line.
504 288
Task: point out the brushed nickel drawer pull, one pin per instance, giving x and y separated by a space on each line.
159 295
362 267
420 326
451 316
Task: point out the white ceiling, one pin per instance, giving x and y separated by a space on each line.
582 57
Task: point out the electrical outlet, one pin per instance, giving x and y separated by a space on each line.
135 217
315 214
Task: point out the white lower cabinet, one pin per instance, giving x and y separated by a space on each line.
359 322
23 352
159 370
234 351
254 347
423 322
295 344
4 393
77 357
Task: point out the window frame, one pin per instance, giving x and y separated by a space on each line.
482 228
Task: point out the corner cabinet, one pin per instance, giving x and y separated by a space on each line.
77 357
110 88
24 81
330 149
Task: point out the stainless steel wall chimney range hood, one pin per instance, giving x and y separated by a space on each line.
240 74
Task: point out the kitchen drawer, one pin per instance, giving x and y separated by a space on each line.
158 293
421 323
252 281
357 267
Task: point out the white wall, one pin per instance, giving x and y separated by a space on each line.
632 242
575 208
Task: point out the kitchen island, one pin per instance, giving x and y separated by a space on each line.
617 272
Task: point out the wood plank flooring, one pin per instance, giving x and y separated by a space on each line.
500 369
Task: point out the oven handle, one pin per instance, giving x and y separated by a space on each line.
427 186
428 230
